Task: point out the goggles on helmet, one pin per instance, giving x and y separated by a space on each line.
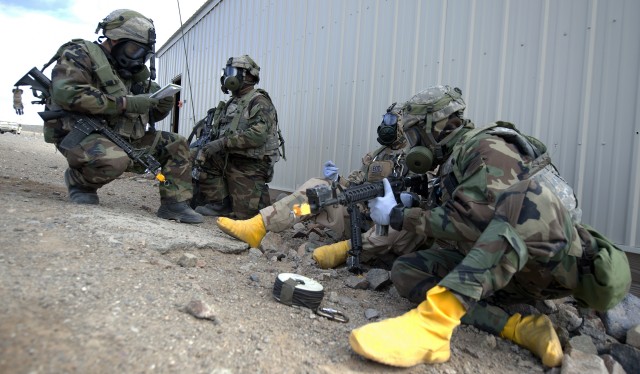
135 50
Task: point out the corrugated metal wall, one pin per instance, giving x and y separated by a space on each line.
564 71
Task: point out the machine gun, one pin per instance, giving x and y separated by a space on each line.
84 124
203 131
322 196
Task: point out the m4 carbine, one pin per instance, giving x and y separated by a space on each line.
322 196
85 124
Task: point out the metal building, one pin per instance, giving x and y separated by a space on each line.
567 72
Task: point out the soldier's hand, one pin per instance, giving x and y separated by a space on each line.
165 104
214 147
330 170
380 207
140 104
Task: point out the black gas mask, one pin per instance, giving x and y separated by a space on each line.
231 79
388 129
426 153
130 57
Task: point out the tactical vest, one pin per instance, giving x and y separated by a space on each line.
236 117
129 125
384 162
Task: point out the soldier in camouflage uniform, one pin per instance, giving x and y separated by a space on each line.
109 79
514 236
238 164
385 161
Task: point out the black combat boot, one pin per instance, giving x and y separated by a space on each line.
180 212
80 194
216 209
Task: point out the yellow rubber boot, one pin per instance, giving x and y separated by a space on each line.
250 231
422 335
535 333
332 255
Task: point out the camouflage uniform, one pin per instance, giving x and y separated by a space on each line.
244 168
507 237
97 161
375 166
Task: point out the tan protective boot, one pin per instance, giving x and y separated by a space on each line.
535 333
422 335
332 255
250 231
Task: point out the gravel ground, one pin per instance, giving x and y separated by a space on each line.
104 289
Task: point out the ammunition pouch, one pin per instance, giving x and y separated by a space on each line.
604 273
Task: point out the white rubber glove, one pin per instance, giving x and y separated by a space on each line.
406 199
380 207
330 170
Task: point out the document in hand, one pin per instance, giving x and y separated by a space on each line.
168 90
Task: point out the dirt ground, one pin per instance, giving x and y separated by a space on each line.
104 289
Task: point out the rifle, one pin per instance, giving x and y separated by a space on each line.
206 135
322 196
84 124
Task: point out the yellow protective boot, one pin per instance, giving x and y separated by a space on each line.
332 255
422 335
250 231
535 333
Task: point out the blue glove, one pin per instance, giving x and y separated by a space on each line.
380 207
330 170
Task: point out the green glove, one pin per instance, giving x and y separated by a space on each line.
140 104
214 147
165 104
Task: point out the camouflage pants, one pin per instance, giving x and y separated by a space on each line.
279 217
97 161
528 252
242 179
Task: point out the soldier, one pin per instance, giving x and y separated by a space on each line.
17 101
385 161
515 233
238 164
109 79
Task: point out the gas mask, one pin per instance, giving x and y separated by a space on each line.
388 129
426 153
130 57
231 79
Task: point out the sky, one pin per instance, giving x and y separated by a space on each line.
33 30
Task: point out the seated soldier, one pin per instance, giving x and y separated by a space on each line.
385 161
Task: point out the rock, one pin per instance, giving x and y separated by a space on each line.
490 341
188 260
622 317
371 314
582 343
580 362
612 365
299 226
627 356
255 252
567 318
200 309
633 336
546 306
523 309
378 278
272 242
357 282
254 278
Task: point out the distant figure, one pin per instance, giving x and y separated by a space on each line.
17 101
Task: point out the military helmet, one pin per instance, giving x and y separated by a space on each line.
428 127
128 24
247 63
432 105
